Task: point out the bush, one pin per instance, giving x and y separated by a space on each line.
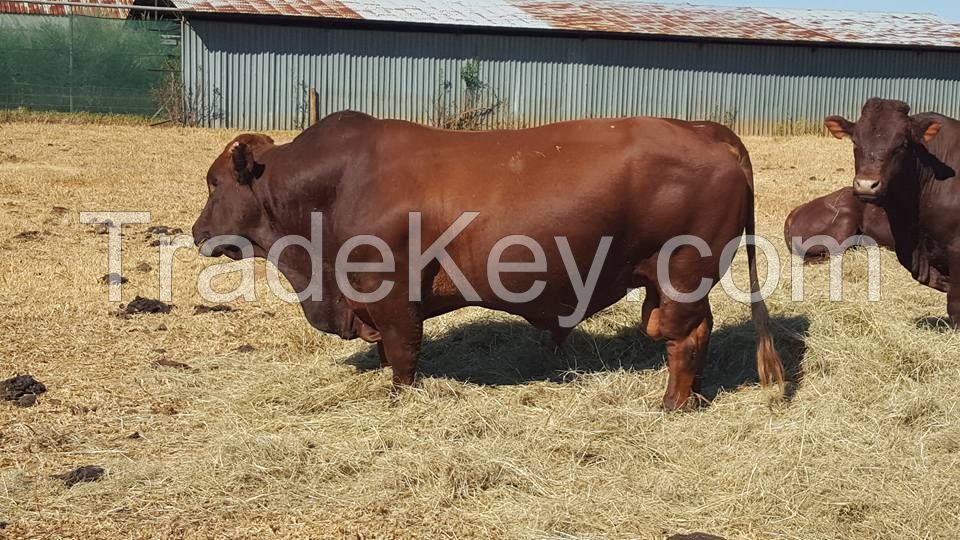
474 108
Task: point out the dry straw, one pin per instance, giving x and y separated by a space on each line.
299 437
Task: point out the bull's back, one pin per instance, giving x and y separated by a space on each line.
640 181
596 166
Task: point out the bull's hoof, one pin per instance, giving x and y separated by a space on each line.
691 402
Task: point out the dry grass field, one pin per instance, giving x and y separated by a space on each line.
297 436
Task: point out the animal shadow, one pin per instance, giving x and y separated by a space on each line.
935 324
503 352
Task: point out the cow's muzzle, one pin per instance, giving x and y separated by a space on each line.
867 188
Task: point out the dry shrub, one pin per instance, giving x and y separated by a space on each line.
505 438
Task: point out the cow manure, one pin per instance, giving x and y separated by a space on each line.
113 278
164 408
15 388
28 236
144 267
246 348
82 409
164 362
103 227
144 305
87 473
135 436
10 158
27 400
200 309
163 230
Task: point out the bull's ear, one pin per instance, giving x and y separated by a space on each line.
243 163
839 126
926 127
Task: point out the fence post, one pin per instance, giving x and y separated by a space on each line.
70 72
314 99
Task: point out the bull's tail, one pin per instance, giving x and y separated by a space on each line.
769 366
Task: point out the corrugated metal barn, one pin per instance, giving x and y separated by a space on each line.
763 71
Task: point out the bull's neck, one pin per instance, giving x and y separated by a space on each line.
902 205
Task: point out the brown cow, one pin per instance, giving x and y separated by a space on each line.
639 182
840 217
906 165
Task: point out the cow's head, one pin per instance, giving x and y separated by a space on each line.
884 138
232 208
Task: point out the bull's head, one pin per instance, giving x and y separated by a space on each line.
236 223
232 208
885 139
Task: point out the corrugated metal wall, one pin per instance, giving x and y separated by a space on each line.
255 76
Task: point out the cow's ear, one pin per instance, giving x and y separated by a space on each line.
243 163
926 127
839 126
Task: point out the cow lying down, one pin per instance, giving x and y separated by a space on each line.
831 224
553 224
905 195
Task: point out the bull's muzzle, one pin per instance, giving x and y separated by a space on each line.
200 240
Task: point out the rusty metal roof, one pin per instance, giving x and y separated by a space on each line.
874 28
616 16
7 6
621 16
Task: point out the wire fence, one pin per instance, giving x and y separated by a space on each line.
89 64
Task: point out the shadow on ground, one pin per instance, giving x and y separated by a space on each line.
935 324
498 352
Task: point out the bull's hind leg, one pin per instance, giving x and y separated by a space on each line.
686 328
383 355
652 313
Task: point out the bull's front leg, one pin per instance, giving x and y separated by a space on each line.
401 333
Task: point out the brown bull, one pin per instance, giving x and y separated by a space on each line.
906 166
597 199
